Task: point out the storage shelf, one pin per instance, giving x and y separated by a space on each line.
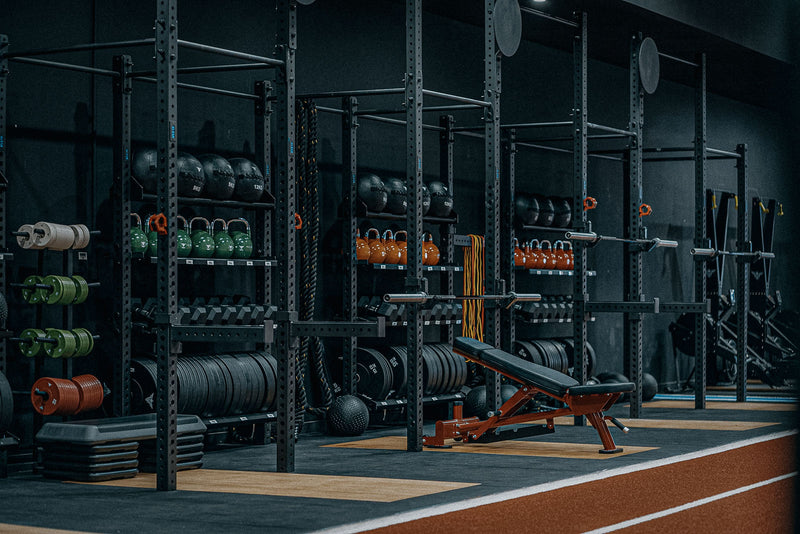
532 227
6 256
398 267
552 272
227 420
548 321
431 399
224 262
267 203
363 213
426 323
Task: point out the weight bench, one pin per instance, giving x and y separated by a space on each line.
590 400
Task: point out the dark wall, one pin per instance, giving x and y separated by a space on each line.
60 171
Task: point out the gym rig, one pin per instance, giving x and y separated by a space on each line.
276 226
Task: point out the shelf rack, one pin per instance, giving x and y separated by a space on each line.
3 217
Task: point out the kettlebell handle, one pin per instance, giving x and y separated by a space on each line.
214 224
377 233
138 220
397 235
182 219
208 224
391 235
241 220
532 241
549 246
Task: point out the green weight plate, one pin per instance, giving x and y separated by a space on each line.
82 289
63 289
64 346
85 342
32 295
33 348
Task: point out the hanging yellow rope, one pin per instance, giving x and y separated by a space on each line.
472 323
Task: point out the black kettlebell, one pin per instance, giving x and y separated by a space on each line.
250 182
526 208
426 200
191 178
441 200
397 196
562 208
220 181
546 211
372 191
145 169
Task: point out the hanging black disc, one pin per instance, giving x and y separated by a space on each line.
649 65
507 26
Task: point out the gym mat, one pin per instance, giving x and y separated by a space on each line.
680 424
296 485
723 405
6 528
587 451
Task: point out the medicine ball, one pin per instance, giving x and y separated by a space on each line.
526 208
348 416
191 178
426 200
475 403
546 211
220 181
250 182
506 392
441 200
372 192
563 212
145 169
649 387
397 196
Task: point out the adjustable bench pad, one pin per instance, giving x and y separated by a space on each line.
548 380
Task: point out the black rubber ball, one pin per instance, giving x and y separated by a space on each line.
475 403
526 208
220 181
250 182
372 191
397 196
441 200
649 387
426 200
546 211
506 392
563 212
191 178
348 416
145 169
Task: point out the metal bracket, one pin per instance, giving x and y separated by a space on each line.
244 334
376 328
623 307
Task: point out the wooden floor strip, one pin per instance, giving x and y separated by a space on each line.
510 448
722 405
6 528
296 485
681 424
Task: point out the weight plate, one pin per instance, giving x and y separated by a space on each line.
81 289
183 386
225 408
443 372
193 383
447 370
374 375
236 392
266 372
203 386
33 348
55 396
60 292
257 382
434 380
461 364
31 295
592 359
273 363
85 342
251 395
241 382
261 383
562 355
455 369
507 26
90 391
64 347
649 65
536 352
6 404
399 363
216 386
28 243
143 371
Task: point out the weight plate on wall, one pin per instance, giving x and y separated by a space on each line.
649 65
507 26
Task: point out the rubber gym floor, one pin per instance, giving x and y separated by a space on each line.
730 468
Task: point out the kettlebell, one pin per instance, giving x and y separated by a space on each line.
532 255
242 241
519 255
202 242
152 238
570 255
430 255
362 248
541 258
562 260
377 252
402 246
392 250
139 243
184 242
549 256
223 242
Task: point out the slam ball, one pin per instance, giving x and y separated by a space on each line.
348 416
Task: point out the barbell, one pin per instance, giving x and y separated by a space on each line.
711 253
594 238
422 297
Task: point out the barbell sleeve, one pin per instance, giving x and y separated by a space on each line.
767 255
664 243
419 298
581 236
703 252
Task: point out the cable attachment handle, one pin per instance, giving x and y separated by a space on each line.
158 223
589 203
645 210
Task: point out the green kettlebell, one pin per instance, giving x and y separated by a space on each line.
242 242
184 242
139 241
152 238
222 240
202 243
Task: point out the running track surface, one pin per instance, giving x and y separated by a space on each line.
608 502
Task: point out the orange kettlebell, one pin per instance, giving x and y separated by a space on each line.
377 253
402 246
562 259
392 250
362 248
519 255
549 258
532 254
430 254
570 255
